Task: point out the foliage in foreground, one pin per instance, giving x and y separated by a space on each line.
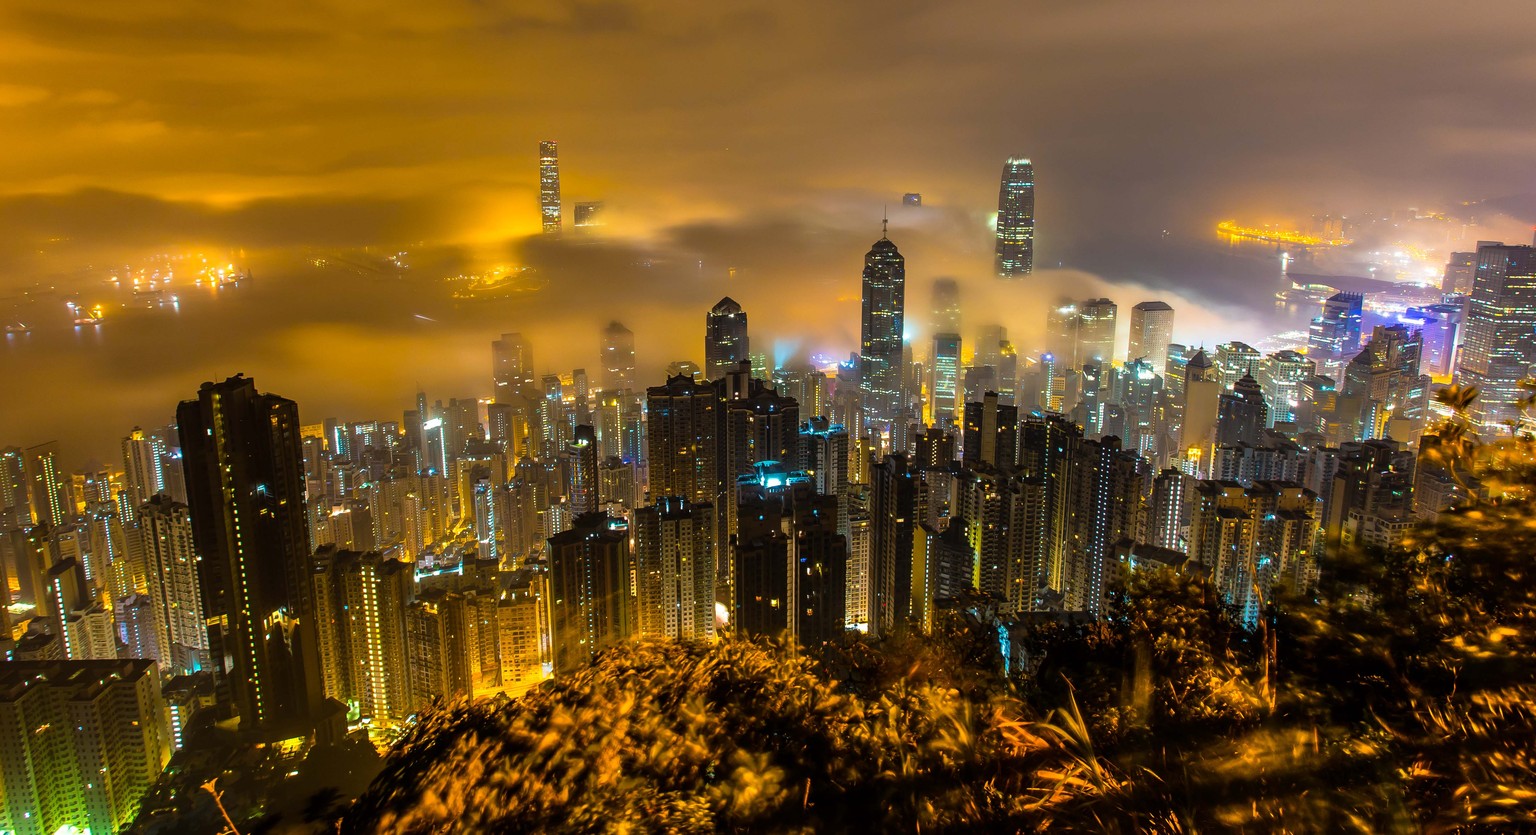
1400 697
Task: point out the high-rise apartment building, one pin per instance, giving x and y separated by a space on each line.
683 439
511 368
245 480
83 741
590 604
361 601
881 354
675 569
549 185
1151 333
143 467
725 338
175 592
1016 219
1333 338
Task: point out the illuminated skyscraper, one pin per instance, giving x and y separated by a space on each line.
1498 344
1096 331
590 605
245 478
165 531
84 741
725 338
549 185
1334 337
582 487
675 569
885 283
143 466
511 368
1460 272
45 485
619 357
946 377
946 306
1016 219
1151 331
361 601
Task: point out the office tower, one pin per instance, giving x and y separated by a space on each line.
590 604
511 368
1096 331
549 186
1497 348
1460 272
143 467
682 440
582 488
588 215
895 509
1233 360
1241 414
1061 334
791 562
881 355
84 740
618 357
675 569
946 374
245 478
725 338
1199 409
1334 337
1252 539
46 490
945 306
171 572
991 433
1280 375
360 609
1016 219
1151 333
1441 325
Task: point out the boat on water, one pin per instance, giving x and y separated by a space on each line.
18 327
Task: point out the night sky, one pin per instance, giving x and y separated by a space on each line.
765 136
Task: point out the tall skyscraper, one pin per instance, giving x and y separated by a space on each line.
946 306
170 567
1151 331
45 485
245 478
619 357
549 185
885 287
943 390
1016 219
1333 338
511 368
1498 344
143 466
1096 331
725 338
683 439
1460 272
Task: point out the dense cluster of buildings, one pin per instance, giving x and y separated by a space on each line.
344 574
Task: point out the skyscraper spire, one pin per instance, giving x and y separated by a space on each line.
885 220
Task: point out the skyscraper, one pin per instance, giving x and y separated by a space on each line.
946 378
683 439
1499 341
675 569
170 567
245 478
511 368
1333 338
1016 219
549 185
946 306
885 283
143 466
618 357
725 338
1096 331
590 604
1151 331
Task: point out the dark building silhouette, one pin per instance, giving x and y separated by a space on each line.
590 605
244 468
725 338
